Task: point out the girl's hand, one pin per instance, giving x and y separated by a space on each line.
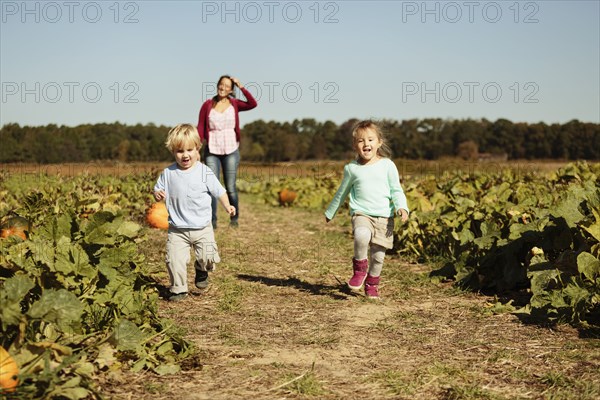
403 214
160 195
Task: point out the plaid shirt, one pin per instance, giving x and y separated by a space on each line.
221 126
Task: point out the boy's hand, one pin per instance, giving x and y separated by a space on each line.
224 200
160 195
403 214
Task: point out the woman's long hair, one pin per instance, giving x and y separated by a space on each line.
232 94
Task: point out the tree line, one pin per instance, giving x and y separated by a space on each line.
305 139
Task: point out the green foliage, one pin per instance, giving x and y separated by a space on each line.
77 296
83 143
502 232
30 193
308 139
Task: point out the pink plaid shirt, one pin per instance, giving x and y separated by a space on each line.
238 105
222 138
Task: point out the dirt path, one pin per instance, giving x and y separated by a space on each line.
276 323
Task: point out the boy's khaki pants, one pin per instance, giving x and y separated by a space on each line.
179 243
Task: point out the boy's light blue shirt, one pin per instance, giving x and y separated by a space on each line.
188 194
374 190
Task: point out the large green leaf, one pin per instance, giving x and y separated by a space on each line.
568 209
115 257
128 229
167 369
575 295
17 287
105 226
102 228
418 201
489 235
589 266
45 251
15 255
57 228
11 294
72 259
594 230
128 337
464 236
504 191
71 390
60 307
541 280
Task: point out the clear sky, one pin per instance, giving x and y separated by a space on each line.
74 62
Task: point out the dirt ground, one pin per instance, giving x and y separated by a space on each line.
277 323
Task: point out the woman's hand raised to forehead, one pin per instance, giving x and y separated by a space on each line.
236 82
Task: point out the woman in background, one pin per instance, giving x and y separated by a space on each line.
219 129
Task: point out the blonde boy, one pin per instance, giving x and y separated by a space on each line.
187 186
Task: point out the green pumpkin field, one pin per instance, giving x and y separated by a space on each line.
492 290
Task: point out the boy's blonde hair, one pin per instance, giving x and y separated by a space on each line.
181 135
361 126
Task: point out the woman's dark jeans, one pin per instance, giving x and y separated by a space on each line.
230 164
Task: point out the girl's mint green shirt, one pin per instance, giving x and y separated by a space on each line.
374 190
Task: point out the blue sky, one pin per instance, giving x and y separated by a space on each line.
79 62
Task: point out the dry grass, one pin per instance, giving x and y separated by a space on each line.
276 323
306 168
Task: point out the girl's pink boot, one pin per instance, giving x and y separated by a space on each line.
372 287
360 268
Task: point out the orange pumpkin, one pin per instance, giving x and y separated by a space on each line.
157 216
8 372
15 226
287 197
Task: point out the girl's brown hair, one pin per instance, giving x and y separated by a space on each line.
361 126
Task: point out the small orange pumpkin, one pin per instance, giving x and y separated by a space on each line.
157 216
287 197
15 226
8 372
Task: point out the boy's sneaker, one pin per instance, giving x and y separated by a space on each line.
233 223
177 297
201 279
